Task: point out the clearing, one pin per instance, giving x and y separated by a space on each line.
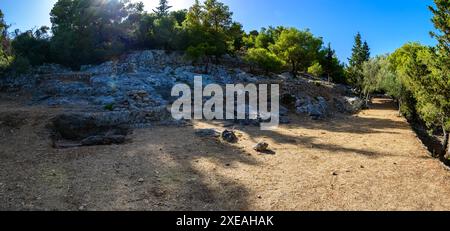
370 161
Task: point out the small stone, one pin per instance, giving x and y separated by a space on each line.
141 180
261 147
259 197
335 173
362 166
229 136
82 207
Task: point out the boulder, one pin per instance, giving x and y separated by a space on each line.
354 104
315 108
78 127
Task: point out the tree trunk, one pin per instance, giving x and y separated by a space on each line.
294 69
367 99
445 148
399 107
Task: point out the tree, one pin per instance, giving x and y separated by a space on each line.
89 31
163 9
360 54
217 16
435 105
5 49
164 33
33 45
441 21
372 76
298 48
210 25
264 59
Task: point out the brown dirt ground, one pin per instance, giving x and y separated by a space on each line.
372 161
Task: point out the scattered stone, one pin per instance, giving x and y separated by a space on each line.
141 180
261 147
229 136
335 174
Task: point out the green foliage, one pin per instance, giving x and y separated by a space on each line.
33 46
264 59
109 107
20 65
332 67
200 51
298 48
209 27
90 31
5 51
164 32
441 21
360 54
316 70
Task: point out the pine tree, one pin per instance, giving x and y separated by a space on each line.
441 21
360 55
360 52
163 9
329 61
365 52
356 52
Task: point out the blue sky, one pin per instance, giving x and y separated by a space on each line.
385 24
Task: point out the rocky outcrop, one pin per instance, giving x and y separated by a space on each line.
136 89
316 108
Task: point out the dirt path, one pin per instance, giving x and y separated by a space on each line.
372 161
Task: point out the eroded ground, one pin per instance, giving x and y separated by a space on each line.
372 161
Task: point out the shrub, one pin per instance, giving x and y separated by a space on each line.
316 70
264 59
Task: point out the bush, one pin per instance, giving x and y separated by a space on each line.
20 65
316 70
33 45
264 59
